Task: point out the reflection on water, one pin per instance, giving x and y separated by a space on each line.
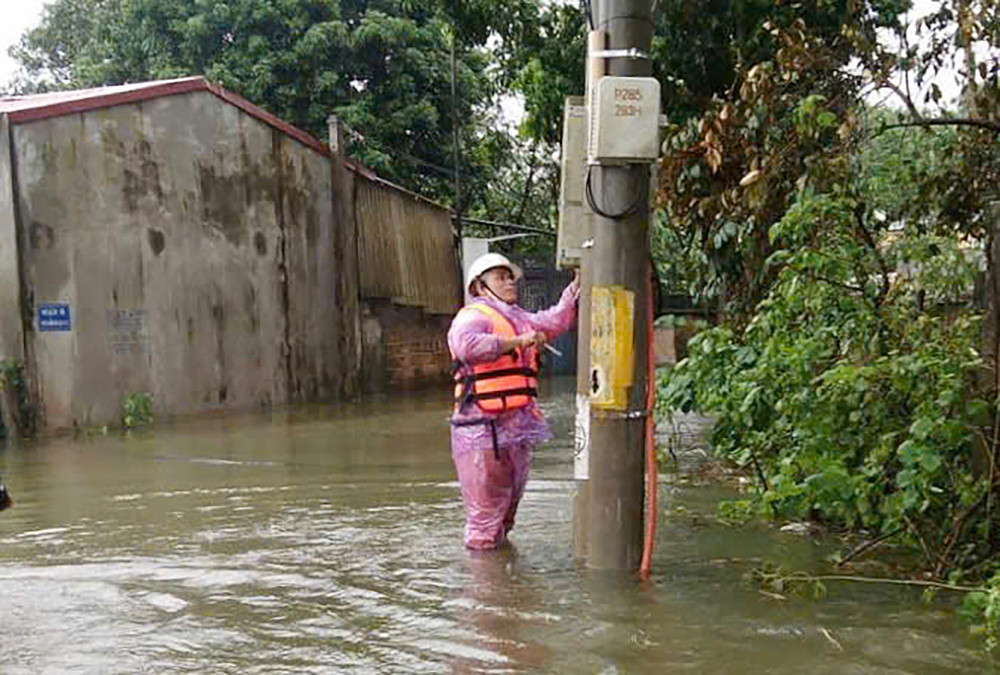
328 540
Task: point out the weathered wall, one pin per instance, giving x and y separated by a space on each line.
213 261
664 346
345 260
192 243
10 288
315 321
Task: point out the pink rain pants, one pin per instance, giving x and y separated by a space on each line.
491 491
492 451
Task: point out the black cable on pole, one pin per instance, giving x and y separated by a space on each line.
632 209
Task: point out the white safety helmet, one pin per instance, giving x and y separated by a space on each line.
486 262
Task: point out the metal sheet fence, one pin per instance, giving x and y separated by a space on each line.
540 289
405 248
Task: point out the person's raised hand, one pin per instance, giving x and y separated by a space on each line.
574 285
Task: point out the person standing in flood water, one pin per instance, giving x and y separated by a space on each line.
496 421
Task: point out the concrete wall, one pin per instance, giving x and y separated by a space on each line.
193 245
10 288
664 347
670 341
213 261
314 314
345 260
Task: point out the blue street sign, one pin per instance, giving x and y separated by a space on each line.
54 317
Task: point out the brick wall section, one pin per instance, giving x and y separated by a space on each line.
405 347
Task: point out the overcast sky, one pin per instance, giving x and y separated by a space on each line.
19 15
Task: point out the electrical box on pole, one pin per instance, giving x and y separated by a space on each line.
574 213
624 121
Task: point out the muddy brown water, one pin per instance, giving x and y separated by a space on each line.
327 539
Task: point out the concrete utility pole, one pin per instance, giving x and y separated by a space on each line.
609 506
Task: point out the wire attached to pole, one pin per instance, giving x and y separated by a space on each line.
631 210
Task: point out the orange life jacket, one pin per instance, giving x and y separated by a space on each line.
507 383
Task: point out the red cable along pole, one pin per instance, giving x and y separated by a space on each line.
649 531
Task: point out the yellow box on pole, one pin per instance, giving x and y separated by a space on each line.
611 353
624 354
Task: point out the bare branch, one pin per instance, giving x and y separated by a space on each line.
867 545
988 125
866 236
956 532
904 96
838 284
920 538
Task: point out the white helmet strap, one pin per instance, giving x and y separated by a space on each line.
482 280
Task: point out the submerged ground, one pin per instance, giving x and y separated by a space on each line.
327 539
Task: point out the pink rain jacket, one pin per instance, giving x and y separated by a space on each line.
493 483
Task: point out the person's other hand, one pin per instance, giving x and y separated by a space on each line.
532 338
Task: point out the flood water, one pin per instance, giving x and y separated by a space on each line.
327 539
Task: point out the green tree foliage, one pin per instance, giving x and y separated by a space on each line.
544 64
21 415
742 141
383 66
733 167
702 48
136 410
845 243
538 60
849 400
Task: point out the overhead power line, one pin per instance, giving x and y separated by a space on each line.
507 226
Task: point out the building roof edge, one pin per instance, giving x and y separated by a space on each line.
21 110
